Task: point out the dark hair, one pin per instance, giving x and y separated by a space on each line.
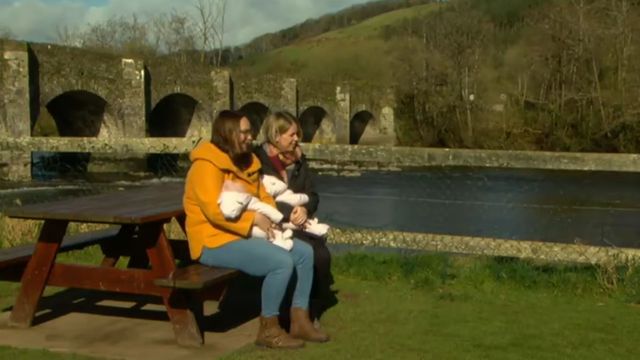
224 135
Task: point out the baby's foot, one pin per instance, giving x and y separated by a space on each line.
314 227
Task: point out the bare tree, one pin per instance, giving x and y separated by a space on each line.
446 82
120 34
623 29
210 27
174 32
102 36
6 33
67 36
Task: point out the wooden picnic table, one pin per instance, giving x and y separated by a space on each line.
140 214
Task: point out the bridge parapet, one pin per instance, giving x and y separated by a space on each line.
367 156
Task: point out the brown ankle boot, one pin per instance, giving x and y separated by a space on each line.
272 335
302 327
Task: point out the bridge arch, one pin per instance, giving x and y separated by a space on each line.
358 124
78 113
256 112
75 113
311 120
170 117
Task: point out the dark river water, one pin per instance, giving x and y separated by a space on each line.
571 207
595 208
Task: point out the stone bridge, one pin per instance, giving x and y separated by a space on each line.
71 92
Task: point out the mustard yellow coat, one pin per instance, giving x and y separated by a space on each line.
205 224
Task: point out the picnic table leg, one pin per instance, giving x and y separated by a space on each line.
182 219
185 325
180 247
113 249
36 274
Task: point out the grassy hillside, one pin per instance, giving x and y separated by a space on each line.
358 52
496 74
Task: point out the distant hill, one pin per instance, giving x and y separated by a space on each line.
359 52
318 26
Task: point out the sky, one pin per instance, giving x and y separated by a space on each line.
38 20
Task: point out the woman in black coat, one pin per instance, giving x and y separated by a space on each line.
281 134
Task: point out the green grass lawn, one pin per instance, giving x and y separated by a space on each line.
21 354
455 307
444 307
393 321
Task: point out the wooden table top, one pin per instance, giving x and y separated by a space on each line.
131 206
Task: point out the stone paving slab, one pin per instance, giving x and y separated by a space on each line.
120 329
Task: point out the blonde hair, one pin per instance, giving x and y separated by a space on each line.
277 124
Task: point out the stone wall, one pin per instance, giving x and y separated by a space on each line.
277 93
550 252
354 157
364 156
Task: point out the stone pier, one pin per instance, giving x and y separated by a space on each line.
15 108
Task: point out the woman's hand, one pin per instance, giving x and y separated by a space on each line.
298 215
264 223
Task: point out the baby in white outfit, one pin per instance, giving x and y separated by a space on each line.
234 200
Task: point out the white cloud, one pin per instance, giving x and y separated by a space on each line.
38 20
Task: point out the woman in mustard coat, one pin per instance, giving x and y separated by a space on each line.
216 241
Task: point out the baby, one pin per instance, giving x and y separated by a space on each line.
278 189
234 200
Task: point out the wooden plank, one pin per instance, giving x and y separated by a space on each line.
21 254
133 206
130 281
37 272
196 277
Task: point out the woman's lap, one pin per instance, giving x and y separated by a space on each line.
254 256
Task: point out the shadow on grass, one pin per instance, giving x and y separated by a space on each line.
238 307
240 304
68 301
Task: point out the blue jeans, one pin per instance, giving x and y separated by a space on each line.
258 257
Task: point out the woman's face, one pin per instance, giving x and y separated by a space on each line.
244 135
288 140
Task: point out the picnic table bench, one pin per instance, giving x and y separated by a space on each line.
157 266
14 259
